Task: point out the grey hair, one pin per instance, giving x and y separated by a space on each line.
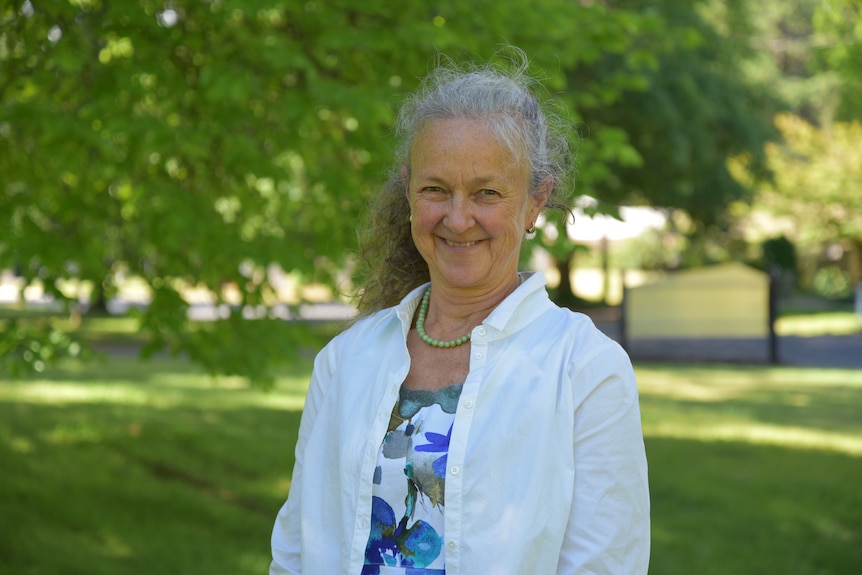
501 96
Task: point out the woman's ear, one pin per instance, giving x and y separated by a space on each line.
539 197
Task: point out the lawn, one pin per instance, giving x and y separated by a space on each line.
821 323
754 470
132 468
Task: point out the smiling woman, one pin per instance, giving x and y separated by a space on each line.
470 204
443 431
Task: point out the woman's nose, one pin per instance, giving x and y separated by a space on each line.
460 215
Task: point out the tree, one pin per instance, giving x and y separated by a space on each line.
696 113
816 172
666 138
194 144
837 26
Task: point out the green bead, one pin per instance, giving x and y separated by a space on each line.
423 335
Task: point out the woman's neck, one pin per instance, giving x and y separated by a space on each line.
456 310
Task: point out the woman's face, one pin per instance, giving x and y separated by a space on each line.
470 204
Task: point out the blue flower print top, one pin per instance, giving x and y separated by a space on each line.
406 536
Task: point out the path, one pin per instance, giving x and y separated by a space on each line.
843 351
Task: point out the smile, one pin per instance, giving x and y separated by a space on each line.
459 244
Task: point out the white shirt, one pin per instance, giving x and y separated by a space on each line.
547 472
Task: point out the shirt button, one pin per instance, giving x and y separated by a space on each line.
455 470
480 331
479 355
468 403
451 546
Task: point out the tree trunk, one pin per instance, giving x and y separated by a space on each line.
98 300
565 296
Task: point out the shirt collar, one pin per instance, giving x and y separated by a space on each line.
521 306
516 310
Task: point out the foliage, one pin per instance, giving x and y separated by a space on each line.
779 252
816 171
35 345
776 43
195 144
838 28
674 129
694 112
773 56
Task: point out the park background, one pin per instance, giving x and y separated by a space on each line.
182 182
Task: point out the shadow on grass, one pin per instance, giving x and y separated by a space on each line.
733 507
133 484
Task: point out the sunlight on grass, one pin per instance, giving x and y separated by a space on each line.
822 323
164 397
789 407
113 546
106 467
755 433
70 434
49 392
161 390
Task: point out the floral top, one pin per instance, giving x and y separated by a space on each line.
406 536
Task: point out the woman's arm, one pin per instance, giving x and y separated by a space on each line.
609 525
286 534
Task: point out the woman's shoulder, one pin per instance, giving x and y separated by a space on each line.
366 329
578 331
573 320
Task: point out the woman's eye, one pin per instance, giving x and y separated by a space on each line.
487 192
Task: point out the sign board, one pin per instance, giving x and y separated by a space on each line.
721 301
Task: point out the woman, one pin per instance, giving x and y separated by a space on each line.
465 424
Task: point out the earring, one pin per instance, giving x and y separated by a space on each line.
531 232
410 218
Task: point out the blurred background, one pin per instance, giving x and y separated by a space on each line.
159 156
185 178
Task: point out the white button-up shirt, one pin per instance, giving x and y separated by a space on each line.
547 470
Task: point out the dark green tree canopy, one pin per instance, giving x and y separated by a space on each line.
696 113
194 144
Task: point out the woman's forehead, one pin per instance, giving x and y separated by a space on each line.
435 135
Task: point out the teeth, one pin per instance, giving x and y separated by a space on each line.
459 244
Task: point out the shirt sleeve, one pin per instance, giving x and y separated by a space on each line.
286 534
608 531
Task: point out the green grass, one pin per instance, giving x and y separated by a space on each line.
754 470
820 323
153 468
142 468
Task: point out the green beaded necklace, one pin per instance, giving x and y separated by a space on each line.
420 323
420 327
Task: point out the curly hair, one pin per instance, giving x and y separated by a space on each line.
504 97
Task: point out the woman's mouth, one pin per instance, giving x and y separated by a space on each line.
459 244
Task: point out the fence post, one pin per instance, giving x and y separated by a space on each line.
623 305
773 316
857 302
